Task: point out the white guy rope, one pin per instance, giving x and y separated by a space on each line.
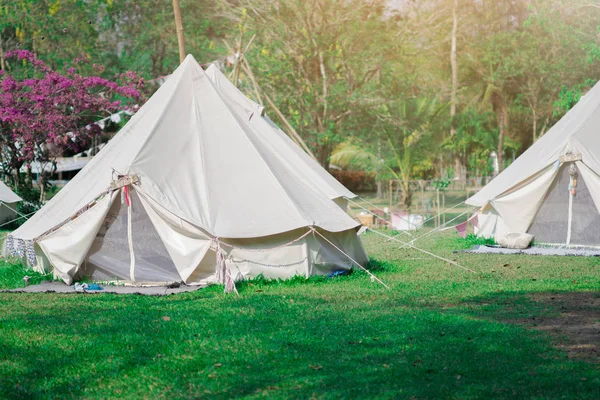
424 222
18 218
13 209
377 208
440 228
443 212
424 251
375 215
351 259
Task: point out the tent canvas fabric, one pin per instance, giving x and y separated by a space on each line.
8 203
186 187
553 189
299 165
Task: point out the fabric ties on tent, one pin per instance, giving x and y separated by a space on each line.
222 273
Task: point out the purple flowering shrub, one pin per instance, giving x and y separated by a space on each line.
49 112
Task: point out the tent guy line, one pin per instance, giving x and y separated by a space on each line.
422 251
6 205
375 215
440 228
373 277
424 222
16 219
444 212
379 209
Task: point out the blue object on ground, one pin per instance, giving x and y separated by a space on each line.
341 272
94 286
82 287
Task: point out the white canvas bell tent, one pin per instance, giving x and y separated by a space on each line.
187 191
8 203
298 164
553 189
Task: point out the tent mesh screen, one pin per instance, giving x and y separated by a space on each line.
109 256
152 261
550 224
585 228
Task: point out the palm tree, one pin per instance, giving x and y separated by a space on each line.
407 129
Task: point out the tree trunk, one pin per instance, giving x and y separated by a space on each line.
2 66
500 146
406 193
534 115
453 64
502 115
459 169
378 182
543 130
179 27
42 185
323 154
28 179
17 177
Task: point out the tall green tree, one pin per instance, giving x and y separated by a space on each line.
319 60
409 130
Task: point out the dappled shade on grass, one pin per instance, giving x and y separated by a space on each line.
571 318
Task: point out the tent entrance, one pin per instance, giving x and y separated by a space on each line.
551 223
110 256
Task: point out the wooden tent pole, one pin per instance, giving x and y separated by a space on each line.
246 67
179 27
248 70
391 197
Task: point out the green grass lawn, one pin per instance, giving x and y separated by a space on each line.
440 332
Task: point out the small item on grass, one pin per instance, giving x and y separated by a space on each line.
82 287
26 279
166 318
340 272
516 240
93 286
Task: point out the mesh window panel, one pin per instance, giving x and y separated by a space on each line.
108 258
585 228
152 261
551 221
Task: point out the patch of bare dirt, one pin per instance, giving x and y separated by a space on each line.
576 328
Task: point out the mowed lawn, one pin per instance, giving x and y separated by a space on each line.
521 327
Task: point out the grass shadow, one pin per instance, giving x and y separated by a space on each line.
283 344
571 319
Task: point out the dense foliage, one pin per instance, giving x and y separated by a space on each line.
429 88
